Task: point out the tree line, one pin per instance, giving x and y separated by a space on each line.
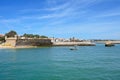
33 36
12 33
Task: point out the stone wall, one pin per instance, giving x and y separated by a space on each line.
10 42
33 42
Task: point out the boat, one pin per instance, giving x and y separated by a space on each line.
109 44
74 48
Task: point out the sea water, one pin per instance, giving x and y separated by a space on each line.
60 63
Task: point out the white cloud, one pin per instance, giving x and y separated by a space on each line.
53 8
59 7
9 20
58 13
67 8
107 14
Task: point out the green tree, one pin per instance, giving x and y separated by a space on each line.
2 39
34 36
29 35
43 36
11 33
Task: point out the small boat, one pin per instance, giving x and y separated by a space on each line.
109 44
74 48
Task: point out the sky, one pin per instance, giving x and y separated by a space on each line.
83 19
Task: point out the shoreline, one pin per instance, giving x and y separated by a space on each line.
73 44
16 47
53 45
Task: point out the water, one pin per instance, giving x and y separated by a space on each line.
60 63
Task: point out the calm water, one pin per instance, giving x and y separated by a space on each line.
60 63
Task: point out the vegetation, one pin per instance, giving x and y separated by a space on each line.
2 39
34 36
11 33
43 36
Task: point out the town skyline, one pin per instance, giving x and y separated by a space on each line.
85 19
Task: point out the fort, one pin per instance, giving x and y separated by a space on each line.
26 42
23 42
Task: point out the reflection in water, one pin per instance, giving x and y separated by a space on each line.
14 57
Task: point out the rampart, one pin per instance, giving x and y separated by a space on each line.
15 41
33 42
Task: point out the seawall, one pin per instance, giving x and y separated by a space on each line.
73 43
33 42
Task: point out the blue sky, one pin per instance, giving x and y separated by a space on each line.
84 19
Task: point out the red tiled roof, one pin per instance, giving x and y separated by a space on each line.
1 35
